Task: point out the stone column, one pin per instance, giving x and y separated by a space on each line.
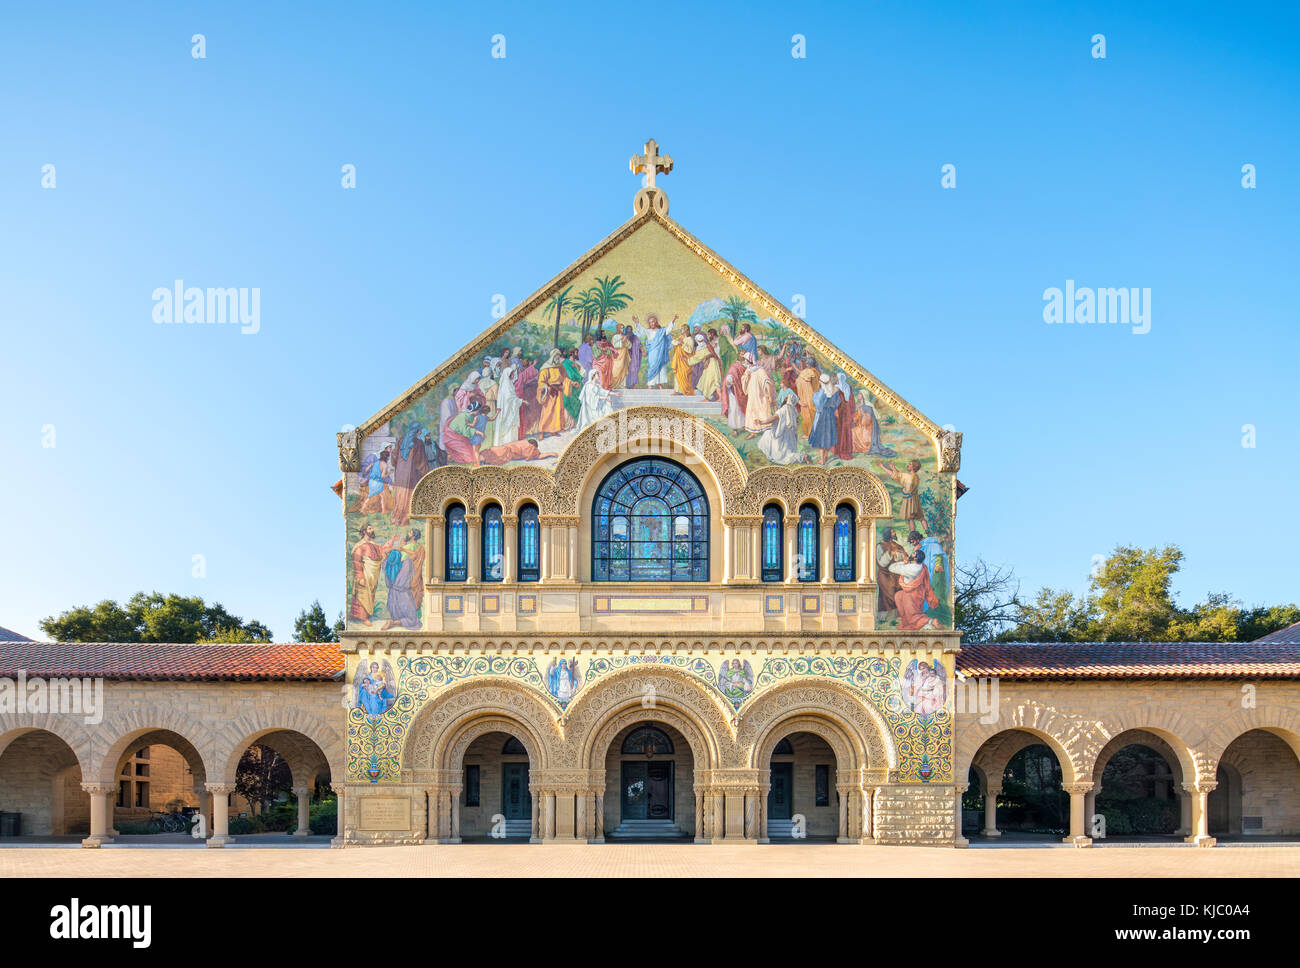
303 793
755 551
1185 814
1090 810
991 811
100 808
548 816
220 814
751 815
1200 797
957 839
791 548
536 837
843 837
455 816
572 570
545 539
598 823
341 831
728 559
437 567
510 548
868 805
866 541
1078 827
474 548
700 837
432 797
826 548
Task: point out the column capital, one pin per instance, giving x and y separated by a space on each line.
1201 786
98 789
339 788
220 788
1076 788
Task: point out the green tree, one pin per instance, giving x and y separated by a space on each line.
609 298
262 776
738 311
153 617
311 625
559 302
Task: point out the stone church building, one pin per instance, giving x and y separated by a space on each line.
652 558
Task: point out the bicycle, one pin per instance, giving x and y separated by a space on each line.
169 823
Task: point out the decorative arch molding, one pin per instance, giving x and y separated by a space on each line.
126 730
1281 721
826 488
864 728
449 754
595 752
451 710
620 436
67 728
1179 762
674 691
836 734
1066 738
243 731
1183 739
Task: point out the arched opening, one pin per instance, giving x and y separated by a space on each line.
40 789
802 799
773 544
1016 781
493 538
456 536
844 554
650 522
807 561
530 544
158 779
1259 798
1138 791
282 788
496 800
649 784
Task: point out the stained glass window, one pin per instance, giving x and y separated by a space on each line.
650 522
773 544
530 544
809 543
844 543
494 544
457 544
647 740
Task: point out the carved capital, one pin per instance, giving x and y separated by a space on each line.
950 452
349 451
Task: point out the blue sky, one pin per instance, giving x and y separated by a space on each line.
477 176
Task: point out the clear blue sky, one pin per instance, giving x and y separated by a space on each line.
479 176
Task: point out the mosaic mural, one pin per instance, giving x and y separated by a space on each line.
914 699
648 323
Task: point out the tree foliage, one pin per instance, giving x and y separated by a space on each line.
311 625
153 617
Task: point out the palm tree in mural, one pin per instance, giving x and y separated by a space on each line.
781 334
587 306
739 311
609 299
559 302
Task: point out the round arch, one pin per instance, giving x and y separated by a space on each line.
139 728
450 715
66 728
302 734
1280 721
863 727
1056 732
601 710
1170 747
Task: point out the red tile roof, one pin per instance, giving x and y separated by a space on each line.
302 662
1289 634
1130 660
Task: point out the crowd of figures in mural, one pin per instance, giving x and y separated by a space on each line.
539 384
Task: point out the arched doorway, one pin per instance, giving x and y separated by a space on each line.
157 785
496 800
649 784
282 787
1138 793
802 799
1258 777
40 788
1020 776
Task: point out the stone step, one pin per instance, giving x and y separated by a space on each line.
519 828
647 830
780 829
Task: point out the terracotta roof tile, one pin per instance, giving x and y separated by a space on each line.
305 662
1130 660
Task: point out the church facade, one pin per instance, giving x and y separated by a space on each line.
651 558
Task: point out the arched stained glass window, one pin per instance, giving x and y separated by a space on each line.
773 543
845 533
457 544
809 543
530 544
494 544
646 741
650 522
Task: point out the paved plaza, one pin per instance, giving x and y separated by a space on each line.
316 859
